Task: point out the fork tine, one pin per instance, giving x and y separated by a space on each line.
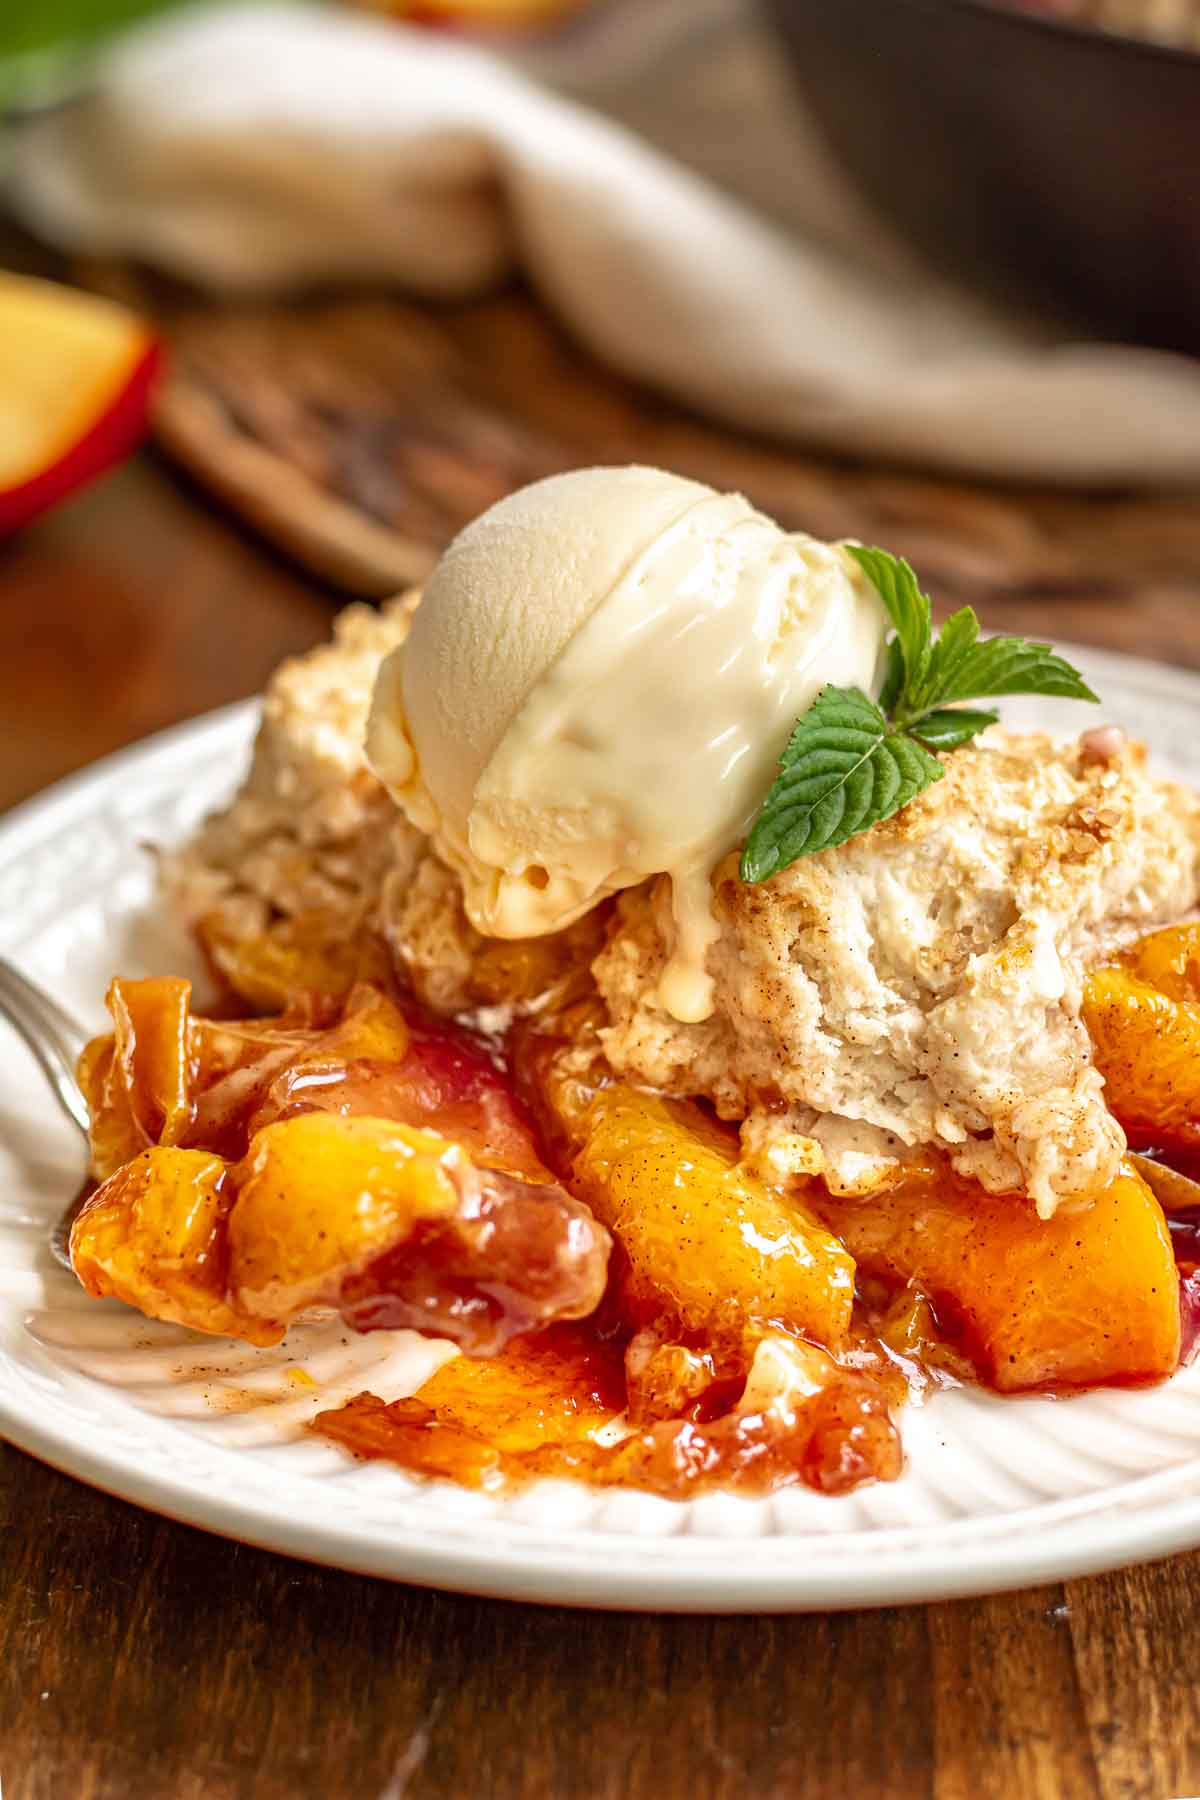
24 992
53 1036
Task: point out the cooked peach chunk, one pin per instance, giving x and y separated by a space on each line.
314 955
707 1244
1081 1298
155 1236
371 1028
1147 1046
241 1250
395 1226
438 1081
138 1080
322 1195
1169 960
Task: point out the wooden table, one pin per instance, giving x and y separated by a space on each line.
140 1660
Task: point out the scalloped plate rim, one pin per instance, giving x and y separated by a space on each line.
578 1577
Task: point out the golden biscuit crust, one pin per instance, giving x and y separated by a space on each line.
921 984
918 986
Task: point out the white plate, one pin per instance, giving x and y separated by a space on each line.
996 1493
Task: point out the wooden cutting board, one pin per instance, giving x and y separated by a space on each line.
360 433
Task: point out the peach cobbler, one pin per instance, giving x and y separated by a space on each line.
643 965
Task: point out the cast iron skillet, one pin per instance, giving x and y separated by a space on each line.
1034 158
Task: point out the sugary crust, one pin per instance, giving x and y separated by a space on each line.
311 827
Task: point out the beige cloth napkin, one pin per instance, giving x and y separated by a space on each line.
256 148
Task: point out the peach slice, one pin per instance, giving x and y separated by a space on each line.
1143 1016
76 373
1064 1302
706 1243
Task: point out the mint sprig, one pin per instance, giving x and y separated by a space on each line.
852 762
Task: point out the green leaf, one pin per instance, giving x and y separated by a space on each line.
951 726
47 47
1008 665
851 763
955 645
51 24
893 680
907 607
843 770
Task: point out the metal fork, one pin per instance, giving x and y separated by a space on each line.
55 1038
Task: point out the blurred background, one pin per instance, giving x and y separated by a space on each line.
924 272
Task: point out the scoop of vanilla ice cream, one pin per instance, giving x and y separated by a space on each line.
597 686
502 604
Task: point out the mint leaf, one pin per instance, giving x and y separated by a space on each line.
844 769
893 679
956 643
47 46
1004 665
949 727
851 763
907 607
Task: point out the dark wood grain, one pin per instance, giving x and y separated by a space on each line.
141 1660
360 432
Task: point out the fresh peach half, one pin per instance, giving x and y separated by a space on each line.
76 373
